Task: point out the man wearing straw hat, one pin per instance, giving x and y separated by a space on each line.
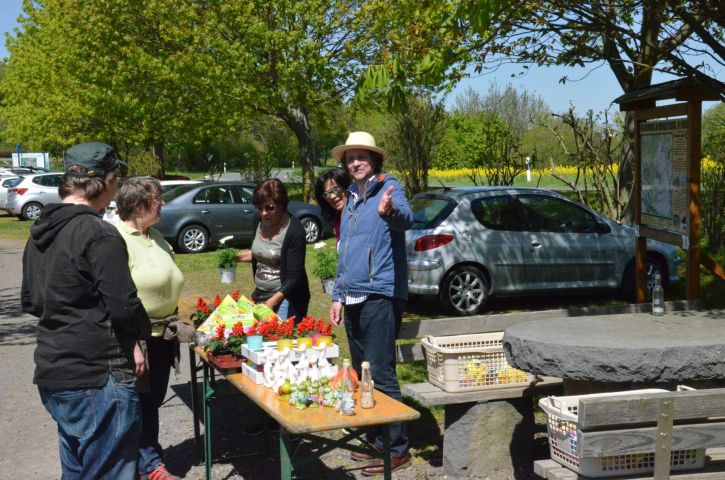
371 279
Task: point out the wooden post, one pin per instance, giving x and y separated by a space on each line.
694 117
640 261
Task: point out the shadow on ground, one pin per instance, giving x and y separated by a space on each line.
16 328
239 440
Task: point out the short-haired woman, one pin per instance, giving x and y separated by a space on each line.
77 282
159 282
278 254
331 193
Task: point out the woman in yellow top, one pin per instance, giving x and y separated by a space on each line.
159 282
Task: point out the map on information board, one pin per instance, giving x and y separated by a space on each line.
665 186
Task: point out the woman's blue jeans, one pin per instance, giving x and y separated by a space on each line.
372 328
98 430
286 310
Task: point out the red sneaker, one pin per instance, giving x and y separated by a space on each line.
160 473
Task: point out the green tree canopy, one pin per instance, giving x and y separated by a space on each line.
439 41
122 72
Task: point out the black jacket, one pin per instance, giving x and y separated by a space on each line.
76 280
295 287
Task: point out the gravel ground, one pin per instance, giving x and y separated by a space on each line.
29 439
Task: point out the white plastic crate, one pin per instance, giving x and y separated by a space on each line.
461 363
564 444
253 374
332 351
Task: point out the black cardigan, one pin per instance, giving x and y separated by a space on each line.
295 287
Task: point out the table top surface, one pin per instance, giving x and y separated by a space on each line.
635 347
310 420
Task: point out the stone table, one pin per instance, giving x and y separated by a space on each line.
622 351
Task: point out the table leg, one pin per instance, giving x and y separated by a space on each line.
208 395
195 402
285 461
386 452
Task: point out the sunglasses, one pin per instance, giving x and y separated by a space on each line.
336 191
271 208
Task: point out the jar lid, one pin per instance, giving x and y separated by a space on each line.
365 365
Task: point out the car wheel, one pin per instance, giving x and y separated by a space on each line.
464 291
193 239
652 268
31 211
313 230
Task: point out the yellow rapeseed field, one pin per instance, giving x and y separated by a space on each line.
707 164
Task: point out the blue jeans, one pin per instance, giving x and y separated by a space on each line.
98 430
286 310
283 309
161 358
372 327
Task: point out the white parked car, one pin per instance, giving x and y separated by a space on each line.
28 198
6 183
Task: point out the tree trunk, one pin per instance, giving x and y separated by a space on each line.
158 149
296 119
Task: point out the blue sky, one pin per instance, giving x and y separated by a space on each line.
595 88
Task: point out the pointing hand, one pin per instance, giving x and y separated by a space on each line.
386 206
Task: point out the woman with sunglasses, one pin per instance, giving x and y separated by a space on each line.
278 254
331 194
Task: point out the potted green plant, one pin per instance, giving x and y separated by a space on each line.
226 260
326 266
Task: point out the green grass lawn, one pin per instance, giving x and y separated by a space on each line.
12 228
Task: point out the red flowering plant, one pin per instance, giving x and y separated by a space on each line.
305 328
267 329
227 339
217 344
286 328
323 328
236 338
202 312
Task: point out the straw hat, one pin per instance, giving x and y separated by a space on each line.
358 140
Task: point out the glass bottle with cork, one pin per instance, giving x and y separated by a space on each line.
346 385
366 387
658 297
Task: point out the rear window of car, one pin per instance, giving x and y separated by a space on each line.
430 211
12 182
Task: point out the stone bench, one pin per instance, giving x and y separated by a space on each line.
488 430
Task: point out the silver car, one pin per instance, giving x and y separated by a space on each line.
28 198
468 244
7 182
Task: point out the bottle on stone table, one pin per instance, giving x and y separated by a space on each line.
658 297
366 387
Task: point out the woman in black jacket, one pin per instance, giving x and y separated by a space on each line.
278 254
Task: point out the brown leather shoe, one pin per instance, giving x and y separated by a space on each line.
364 457
396 463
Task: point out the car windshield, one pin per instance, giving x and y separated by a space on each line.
430 210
